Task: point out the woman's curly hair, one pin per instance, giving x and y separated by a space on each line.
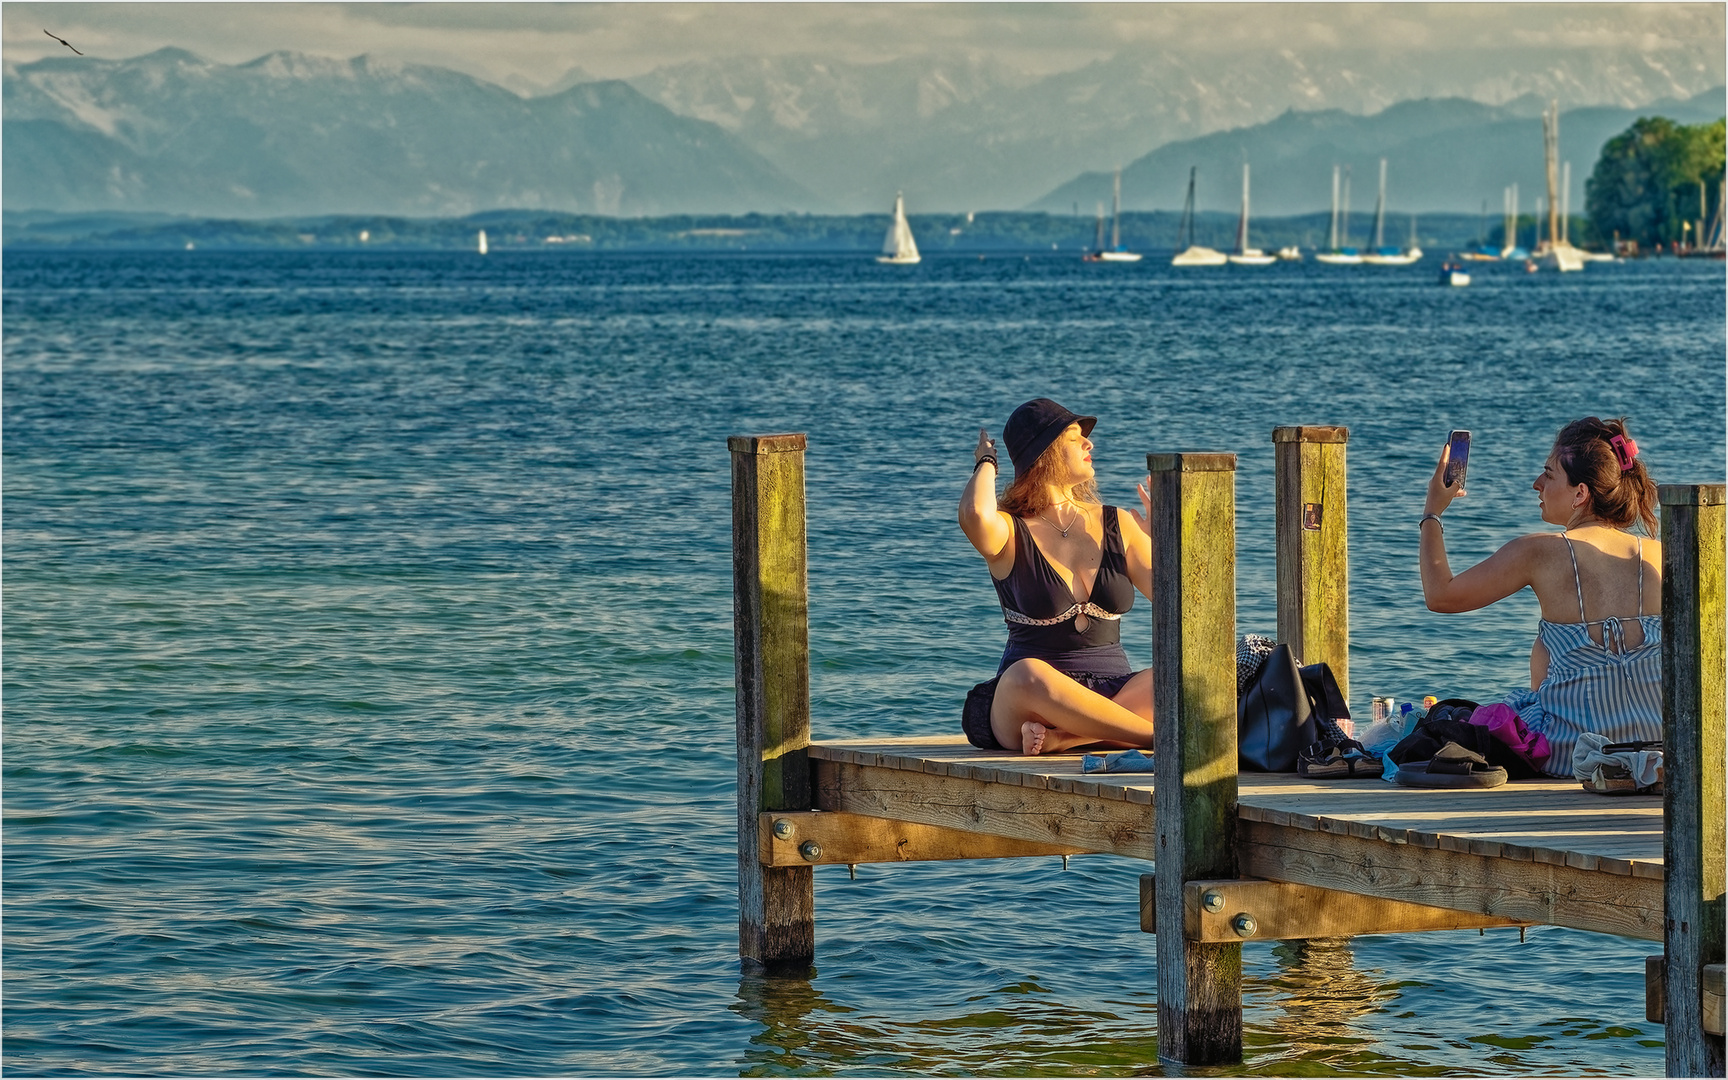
1619 497
1025 496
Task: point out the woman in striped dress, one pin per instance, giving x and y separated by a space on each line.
1596 664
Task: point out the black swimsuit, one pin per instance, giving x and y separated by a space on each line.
1040 610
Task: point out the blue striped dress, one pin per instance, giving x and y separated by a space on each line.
1606 688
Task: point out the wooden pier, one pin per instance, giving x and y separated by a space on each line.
1240 857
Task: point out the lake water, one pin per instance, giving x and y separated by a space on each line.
368 672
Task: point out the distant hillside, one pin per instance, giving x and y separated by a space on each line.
519 233
290 134
1442 155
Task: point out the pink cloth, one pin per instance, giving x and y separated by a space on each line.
1504 723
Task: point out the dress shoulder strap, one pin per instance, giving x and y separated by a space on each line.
1578 583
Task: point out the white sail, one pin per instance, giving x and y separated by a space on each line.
482 241
898 247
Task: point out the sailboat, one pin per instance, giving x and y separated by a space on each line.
898 247
1190 253
1245 255
1558 253
482 245
1116 252
1334 254
1382 255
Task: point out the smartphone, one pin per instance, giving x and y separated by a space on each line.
1459 461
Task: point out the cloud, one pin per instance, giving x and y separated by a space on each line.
539 42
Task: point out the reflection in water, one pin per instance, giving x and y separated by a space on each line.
1018 1029
1315 994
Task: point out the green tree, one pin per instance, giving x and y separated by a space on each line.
1645 184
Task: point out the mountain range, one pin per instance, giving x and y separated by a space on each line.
288 134
965 133
293 134
1442 155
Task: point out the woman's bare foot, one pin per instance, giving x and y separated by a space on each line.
1032 738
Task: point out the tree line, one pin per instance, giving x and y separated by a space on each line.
1657 182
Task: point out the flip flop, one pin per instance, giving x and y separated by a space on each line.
1452 766
1126 761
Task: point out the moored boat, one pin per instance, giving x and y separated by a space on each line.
1381 255
1245 255
1337 254
1188 252
1116 252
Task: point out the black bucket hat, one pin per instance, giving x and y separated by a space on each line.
1034 426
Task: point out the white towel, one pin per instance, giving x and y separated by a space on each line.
1643 765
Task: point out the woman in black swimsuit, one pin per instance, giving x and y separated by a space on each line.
1065 569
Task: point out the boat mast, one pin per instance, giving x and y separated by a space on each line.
1380 210
1242 225
1116 215
1332 237
1185 231
1344 213
1550 151
1566 203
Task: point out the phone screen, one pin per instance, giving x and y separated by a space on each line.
1457 463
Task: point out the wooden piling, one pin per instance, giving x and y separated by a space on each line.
1693 657
1194 706
771 636
1313 546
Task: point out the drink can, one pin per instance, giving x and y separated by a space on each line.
1428 702
1382 709
1391 707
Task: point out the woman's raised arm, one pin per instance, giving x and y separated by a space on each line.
1494 578
987 527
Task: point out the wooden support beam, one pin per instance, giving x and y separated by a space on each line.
818 837
1249 909
1036 814
1714 999
1194 706
1713 1006
1693 682
771 644
1548 893
1312 529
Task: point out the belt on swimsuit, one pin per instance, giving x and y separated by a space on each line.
1091 611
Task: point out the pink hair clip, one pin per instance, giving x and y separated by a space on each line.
1624 449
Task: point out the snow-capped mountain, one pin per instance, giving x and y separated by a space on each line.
293 134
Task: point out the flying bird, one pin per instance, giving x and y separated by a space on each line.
62 41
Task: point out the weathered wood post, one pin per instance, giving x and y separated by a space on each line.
1313 546
771 640
1692 737
1194 708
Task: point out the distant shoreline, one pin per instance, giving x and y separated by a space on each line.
534 230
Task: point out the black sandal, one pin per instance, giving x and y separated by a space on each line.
1452 766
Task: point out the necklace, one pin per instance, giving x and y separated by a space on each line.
1078 517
